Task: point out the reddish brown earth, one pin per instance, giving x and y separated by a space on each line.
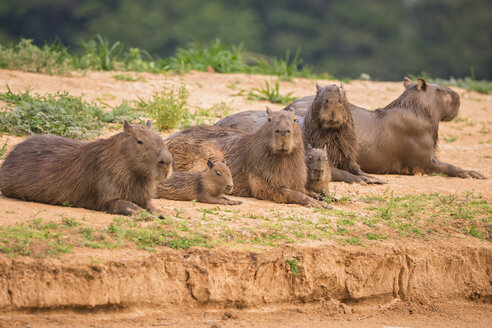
398 282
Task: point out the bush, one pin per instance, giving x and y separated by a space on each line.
60 114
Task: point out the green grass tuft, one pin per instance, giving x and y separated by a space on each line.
271 94
167 107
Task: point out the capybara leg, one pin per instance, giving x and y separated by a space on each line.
454 171
314 195
120 206
296 197
369 179
231 201
219 200
344 176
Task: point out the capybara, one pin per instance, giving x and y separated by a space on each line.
401 138
118 175
268 164
180 146
327 122
318 172
208 186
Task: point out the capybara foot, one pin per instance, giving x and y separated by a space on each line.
122 207
470 174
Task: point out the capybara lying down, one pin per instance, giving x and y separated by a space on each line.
268 164
318 172
401 138
118 175
208 186
327 122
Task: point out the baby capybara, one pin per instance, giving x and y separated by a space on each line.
318 171
208 186
118 175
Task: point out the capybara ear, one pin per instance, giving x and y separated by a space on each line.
224 161
127 127
148 124
407 82
210 163
318 88
421 84
341 90
309 147
269 113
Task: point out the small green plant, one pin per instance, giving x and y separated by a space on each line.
101 54
375 236
271 94
449 139
3 150
353 241
293 266
126 77
167 107
60 114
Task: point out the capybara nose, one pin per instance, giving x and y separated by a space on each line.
229 188
165 158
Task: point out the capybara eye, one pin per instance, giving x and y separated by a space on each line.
269 119
295 120
140 142
326 101
218 173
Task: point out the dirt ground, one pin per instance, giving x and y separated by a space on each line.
466 143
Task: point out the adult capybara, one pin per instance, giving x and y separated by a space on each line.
328 122
401 138
118 175
318 171
208 186
268 164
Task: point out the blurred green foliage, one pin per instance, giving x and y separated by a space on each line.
383 38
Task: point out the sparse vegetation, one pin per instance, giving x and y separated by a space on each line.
427 216
271 94
126 77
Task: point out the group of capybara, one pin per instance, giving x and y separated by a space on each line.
287 156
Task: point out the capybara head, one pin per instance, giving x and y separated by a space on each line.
146 150
218 177
442 100
284 131
318 166
330 107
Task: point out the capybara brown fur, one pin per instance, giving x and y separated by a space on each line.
318 171
181 146
118 175
328 122
268 164
208 186
401 138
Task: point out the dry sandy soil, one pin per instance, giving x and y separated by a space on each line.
404 282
